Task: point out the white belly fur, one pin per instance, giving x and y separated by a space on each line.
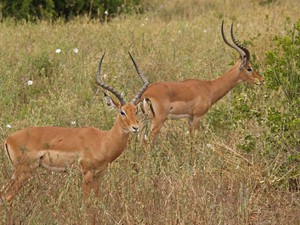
57 161
178 116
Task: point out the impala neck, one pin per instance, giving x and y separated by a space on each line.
222 85
118 139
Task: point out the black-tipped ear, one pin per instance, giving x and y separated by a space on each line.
108 99
110 102
244 61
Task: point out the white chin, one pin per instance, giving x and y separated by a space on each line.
133 131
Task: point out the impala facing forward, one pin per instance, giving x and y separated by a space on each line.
59 148
192 98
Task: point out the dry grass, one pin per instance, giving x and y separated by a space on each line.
205 179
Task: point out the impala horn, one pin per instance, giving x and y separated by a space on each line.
244 53
107 87
143 78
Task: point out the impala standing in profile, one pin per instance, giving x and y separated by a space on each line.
58 148
192 98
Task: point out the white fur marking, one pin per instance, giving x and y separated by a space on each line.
178 116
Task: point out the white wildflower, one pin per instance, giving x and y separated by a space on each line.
146 137
73 122
75 50
58 51
106 12
29 83
8 126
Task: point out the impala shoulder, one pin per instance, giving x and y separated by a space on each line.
92 131
190 81
193 82
158 85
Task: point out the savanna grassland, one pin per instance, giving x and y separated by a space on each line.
241 168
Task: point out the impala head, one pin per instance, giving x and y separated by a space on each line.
246 71
126 110
126 114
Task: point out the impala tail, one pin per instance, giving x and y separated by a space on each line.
7 152
147 108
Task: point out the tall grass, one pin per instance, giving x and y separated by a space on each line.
227 173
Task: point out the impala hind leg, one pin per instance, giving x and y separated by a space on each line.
158 121
156 126
158 113
22 173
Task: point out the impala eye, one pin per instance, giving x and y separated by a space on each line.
249 69
122 113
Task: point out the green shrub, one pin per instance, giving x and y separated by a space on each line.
273 109
31 10
283 76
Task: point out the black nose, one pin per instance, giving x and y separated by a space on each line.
135 129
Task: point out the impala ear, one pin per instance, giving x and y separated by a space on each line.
111 103
244 62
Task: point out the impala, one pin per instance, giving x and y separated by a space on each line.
58 148
192 98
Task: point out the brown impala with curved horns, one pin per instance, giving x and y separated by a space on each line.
57 148
192 98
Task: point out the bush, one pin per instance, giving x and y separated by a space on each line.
32 10
273 109
283 76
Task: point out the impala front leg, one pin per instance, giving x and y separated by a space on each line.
203 122
193 124
90 186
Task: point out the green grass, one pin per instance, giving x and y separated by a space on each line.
228 173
